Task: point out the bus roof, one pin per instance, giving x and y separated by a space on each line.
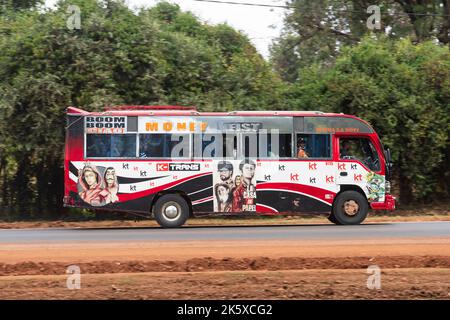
191 111
313 119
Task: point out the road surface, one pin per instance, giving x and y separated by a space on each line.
423 230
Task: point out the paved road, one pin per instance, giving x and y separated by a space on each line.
296 232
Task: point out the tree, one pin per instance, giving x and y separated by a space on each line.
401 88
316 30
159 55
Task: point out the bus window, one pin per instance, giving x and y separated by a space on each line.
164 145
360 149
110 145
208 145
276 149
250 145
315 146
230 145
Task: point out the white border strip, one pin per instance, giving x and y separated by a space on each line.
211 198
199 190
265 206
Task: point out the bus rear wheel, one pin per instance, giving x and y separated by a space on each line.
350 207
171 211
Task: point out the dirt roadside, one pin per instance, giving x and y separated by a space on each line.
282 269
410 269
426 283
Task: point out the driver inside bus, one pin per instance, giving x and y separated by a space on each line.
345 149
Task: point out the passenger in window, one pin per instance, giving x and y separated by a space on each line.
301 149
345 150
117 147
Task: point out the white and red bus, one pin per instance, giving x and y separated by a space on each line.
171 163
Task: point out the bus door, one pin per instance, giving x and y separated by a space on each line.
359 164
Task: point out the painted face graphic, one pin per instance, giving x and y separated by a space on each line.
110 176
223 194
225 174
374 187
248 171
90 177
237 181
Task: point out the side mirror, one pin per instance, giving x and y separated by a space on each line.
389 164
389 159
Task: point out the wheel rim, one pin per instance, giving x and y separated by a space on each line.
350 207
171 211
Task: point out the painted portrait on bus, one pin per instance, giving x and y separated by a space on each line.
96 189
91 185
244 195
223 187
111 185
235 186
223 193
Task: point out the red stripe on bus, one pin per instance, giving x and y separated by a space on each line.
265 209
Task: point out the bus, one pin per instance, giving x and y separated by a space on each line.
171 163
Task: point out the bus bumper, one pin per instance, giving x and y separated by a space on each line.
388 204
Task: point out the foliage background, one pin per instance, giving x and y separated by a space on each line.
398 82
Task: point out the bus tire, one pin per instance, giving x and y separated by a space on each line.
171 211
332 219
350 207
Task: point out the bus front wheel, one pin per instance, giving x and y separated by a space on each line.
350 207
171 211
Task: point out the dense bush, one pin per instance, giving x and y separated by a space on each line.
159 55
402 89
162 55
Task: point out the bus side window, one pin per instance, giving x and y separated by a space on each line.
123 146
250 145
161 145
110 145
315 146
361 149
215 145
276 149
230 145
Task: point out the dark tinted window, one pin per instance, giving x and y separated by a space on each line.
110 145
215 145
315 146
164 145
278 146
